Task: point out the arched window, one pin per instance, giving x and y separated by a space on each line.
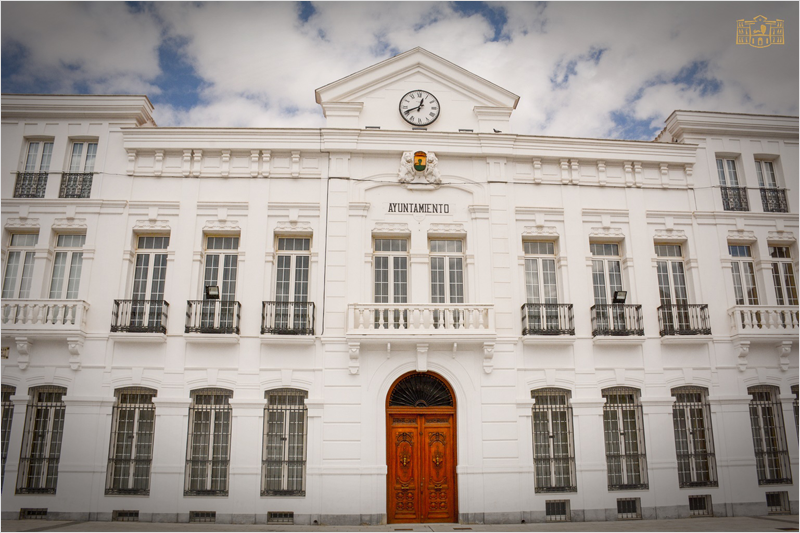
41 441
283 460
694 442
421 390
208 447
8 415
553 446
624 437
131 450
769 435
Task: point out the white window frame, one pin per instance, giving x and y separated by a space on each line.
632 464
218 412
137 432
294 256
743 271
72 267
38 163
223 253
42 442
558 432
728 172
783 277
772 454
17 283
765 170
84 163
604 258
395 271
694 438
449 274
538 258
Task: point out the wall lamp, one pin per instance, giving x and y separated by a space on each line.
619 297
212 292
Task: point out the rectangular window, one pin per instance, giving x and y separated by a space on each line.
629 509
734 195
283 464
447 281
726 171
291 285
553 447
624 439
41 441
744 278
221 264
606 280
131 450
778 502
208 450
700 506
83 157
19 266
8 416
769 436
766 174
694 442
557 510
32 181
543 314
149 279
391 281
783 275
674 311
67 267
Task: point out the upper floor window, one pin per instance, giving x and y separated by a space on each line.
131 450
553 447
773 199
734 195
83 157
624 438
19 265
769 435
694 442
390 262
783 275
744 278
221 264
447 271
67 267
540 272
208 449
283 464
41 441
606 271
766 174
8 416
671 276
32 181
726 170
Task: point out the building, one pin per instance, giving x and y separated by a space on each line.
411 314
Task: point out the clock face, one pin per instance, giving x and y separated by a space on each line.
419 108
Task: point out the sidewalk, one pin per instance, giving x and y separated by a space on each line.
760 523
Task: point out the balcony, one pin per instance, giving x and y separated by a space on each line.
139 316
213 316
774 200
287 318
30 185
547 319
684 319
44 318
618 320
734 199
76 185
410 319
766 322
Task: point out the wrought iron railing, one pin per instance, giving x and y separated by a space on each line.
774 200
139 316
617 319
38 475
547 319
207 477
118 472
684 319
734 199
287 318
213 316
76 185
30 185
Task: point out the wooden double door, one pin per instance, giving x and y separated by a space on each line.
422 465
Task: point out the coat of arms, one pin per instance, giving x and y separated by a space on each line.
419 168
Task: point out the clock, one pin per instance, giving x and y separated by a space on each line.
419 108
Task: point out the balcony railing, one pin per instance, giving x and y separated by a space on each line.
763 321
287 318
774 200
43 315
617 320
76 185
684 319
30 185
139 316
734 199
547 319
402 319
213 316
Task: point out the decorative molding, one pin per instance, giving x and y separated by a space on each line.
198 163
187 163
447 229
784 348
607 233
742 349
781 237
537 170
564 163
144 226
430 177
222 226
75 346
637 173
70 224
422 357
254 164
601 172
354 351
670 235
488 357
266 157
540 231
741 235
400 228
295 163
296 227
158 162
23 348
22 223
131 162
225 163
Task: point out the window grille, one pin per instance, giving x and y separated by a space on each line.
629 509
203 516
557 511
694 442
283 464
553 447
700 506
41 441
794 406
33 514
769 436
125 516
131 450
76 185
208 445
279 517
624 439
778 502
8 415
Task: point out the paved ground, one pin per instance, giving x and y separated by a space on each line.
761 523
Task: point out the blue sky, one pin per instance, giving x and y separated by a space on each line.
613 70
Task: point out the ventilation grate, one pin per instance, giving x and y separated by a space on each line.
778 502
557 510
629 509
125 516
203 516
700 506
280 517
33 514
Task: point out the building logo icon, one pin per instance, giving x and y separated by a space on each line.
759 32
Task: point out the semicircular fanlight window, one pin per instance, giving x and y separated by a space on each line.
421 390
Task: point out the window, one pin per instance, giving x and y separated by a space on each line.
744 279
610 318
291 286
783 275
19 266
208 450
726 170
221 263
672 288
131 449
773 199
694 442
83 157
77 183
557 511
542 311
283 464
734 196
8 416
32 182
624 438
553 447
769 435
700 505
778 502
794 406
391 281
629 508
149 278
41 441
766 174
447 281
67 267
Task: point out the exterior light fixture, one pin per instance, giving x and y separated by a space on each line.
212 292
620 296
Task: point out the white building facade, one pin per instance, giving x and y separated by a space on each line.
411 315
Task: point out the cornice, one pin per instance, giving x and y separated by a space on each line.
109 108
702 122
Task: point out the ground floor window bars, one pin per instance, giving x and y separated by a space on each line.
283 465
769 436
629 509
131 449
700 506
694 441
557 511
778 502
553 447
8 416
41 441
623 429
208 449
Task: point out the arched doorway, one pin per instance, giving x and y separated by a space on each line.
421 450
